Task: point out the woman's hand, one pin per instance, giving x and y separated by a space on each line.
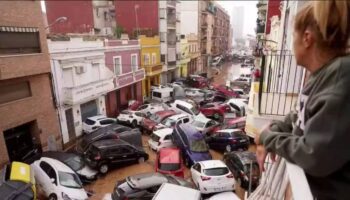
261 155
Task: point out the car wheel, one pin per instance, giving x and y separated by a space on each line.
228 148
103 169
134 124
141 160
53 197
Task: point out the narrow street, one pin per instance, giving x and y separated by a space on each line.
105 185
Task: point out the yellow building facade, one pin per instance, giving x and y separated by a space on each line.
150 61
185 57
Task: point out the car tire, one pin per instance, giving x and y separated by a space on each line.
141 160
134 124
52 197
103 169
228 148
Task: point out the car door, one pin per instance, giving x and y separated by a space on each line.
196 173
127 154
47 173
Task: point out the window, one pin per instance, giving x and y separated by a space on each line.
134 62
154 58
186 120
162 58
48 170
89 122
197 167
14 91
117 65
157 94
146 60
140 114
167 137
106 121
19 40
216 171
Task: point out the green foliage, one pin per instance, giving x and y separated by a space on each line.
118 31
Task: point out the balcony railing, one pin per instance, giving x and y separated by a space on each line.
153 69
130 78
281 80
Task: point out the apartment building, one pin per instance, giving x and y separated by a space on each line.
28 117
81 81
221 31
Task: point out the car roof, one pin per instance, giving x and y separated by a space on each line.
58 155
146 180
169 155
184 103
97 117
166 89
174 192
245 156
178 116
202 119
165 112
190 131
109 143
57 165
163 132
229 130
209 164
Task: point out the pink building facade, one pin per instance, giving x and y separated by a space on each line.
123 58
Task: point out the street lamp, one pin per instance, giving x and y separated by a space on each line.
58 20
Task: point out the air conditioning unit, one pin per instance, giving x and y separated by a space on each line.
80 69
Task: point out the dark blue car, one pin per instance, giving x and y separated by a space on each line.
229 140
192 144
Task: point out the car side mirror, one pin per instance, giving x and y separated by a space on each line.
53 180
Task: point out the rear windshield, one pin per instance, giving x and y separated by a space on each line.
237 133
155 118
216 171
155 137
199 146
89 122
157 94
169 166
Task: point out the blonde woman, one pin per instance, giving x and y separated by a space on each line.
319 140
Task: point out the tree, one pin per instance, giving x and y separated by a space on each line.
118 31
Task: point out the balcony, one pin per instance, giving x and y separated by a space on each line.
82 93
171 65
130 78
154 69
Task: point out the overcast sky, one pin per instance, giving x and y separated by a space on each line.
250 12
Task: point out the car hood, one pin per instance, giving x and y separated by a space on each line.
148 122
87 172
75 193
197 157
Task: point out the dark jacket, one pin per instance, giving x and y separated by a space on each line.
319 140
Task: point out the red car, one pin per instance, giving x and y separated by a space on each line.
148 124
232 123
215 110
227 91
169 161
197 81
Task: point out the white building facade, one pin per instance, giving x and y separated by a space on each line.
81 81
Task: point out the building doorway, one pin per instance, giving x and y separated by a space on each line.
88 109
22 142
70 124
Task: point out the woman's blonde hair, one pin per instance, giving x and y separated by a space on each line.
329 20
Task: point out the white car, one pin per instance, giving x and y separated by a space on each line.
241 93
161 139
212 176
224 196
93 123
170 191
184 107
133 118
238 106
162 94
57 180
204 125
151 108
171 121
193 92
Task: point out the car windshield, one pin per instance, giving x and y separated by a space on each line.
155 118
198 124
155 137
89 122
169 122
199 146
216 171
195 110
69 180
169 166
76 163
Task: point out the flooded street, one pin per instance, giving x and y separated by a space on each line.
105 184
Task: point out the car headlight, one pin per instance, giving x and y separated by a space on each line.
65 196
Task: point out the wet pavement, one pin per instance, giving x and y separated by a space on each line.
105 184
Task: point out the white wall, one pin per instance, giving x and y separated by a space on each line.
189 17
